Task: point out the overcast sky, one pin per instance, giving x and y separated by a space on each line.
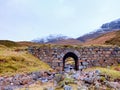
22 20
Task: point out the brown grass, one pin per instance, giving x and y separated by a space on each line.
101 39
25 43
12 62
115 40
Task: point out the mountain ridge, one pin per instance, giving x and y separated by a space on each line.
105 28
101 40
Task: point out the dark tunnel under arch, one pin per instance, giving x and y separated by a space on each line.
74 56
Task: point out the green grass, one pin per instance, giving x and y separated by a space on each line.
12 62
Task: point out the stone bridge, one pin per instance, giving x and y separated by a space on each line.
87 56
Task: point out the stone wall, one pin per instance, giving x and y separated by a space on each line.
88 56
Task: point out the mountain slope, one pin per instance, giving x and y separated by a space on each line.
111 38
105 28
101 39
50 39
67 42
115 40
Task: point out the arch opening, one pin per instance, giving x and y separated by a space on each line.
70 61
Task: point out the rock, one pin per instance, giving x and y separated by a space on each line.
97 72
50 88
16 81
34 76
97 85
81 67
82 88
1 78
8 80
43 80
8 88
25 80
88 80
114 85
1 88
118 61
38 74
67 87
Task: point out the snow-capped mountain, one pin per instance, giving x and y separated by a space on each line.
105 28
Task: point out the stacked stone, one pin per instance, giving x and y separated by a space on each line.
87 56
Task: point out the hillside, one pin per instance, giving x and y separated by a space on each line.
111 38
105 28
67 42
100 40
115 40
9 43
13 62
26 43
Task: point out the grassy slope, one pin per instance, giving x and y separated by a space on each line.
9 43
115 40
26 43
101 39
12 62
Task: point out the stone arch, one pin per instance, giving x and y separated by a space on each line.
74 56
